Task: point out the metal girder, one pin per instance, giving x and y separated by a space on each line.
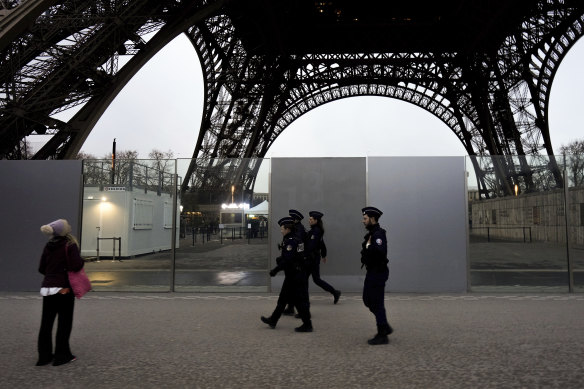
495 101
69 57
492 90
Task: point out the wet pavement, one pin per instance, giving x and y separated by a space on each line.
242 266
214 266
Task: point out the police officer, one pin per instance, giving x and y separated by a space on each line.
295 287
315 249
374 258
300 233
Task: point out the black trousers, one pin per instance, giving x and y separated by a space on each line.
374 294
295 292
60 305
315 271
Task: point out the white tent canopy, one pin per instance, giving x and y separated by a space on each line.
260 209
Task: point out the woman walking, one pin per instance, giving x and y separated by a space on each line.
61 254
315 249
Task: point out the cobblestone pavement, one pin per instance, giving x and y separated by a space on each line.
166 340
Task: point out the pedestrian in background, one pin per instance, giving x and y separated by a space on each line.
295 287
315 250
374 258
60 255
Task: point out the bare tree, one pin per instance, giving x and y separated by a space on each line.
153 174
161 160
123 163
84 155
574 152
162 163
26 149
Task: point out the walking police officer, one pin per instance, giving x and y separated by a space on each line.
300 233
315 249
295 287
374 258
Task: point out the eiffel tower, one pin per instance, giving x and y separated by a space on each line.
483 67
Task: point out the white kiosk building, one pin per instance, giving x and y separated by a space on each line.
129 219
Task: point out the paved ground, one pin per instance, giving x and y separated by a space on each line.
217 341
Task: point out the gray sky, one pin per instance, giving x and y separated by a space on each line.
161 108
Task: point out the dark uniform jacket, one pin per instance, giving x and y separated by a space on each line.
314 246
300 232
374 257
292 258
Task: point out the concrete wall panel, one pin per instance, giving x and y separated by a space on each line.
33 193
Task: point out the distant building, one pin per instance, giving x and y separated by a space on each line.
259 198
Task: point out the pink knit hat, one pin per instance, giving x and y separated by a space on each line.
59 227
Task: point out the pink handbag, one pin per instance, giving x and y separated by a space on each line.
79 282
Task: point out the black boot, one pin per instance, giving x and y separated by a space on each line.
305 327
386 328
45 360
381 336
336 295
269 321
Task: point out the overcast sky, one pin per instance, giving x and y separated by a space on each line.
161 108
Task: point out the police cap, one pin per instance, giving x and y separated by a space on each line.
315 214
295 214
285 220
372 211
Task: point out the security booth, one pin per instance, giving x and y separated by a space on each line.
131 217
232 220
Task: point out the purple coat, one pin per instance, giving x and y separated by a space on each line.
59 256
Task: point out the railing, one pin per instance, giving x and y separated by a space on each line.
113 250
229 233
129 173
524 229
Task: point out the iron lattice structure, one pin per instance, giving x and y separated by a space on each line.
484 68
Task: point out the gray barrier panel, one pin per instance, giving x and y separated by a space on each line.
334 186
33 193
424 205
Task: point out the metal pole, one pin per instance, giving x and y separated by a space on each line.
80 210
174 211
570 265
113 249
97 260
113 162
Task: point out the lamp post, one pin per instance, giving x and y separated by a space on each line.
182 232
